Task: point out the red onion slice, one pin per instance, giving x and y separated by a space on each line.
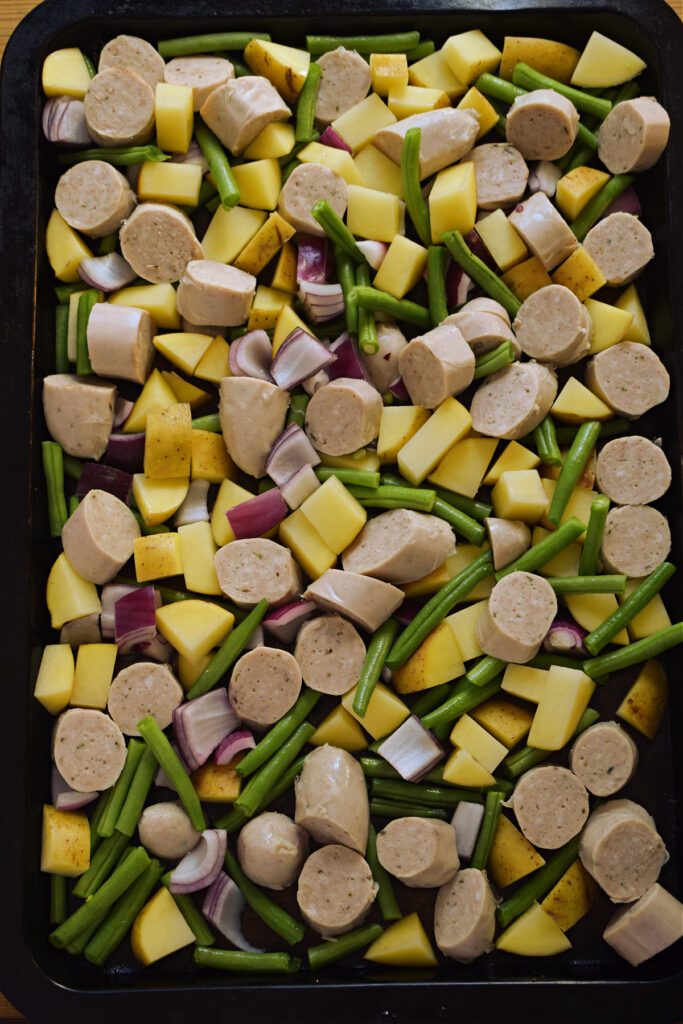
107 273
300 486
348 362
255 640
194 508
64 798
544 177
458 284
223 907
201 866
399 390
126 451
321 302
467 821
409 609
412 750
122 410
374 252
300 356
201 724
292 450
64 122
101 477
240 739
111 593
332 138
85 630
627 202
284 623
158 649
314 260
258 515
251 356
477 246
565 637
135 619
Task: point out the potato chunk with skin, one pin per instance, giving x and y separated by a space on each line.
66 842
168 442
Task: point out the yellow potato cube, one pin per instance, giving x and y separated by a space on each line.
157 556
197 549
229 495
525 682
65 249
590 610
340 729
174 112
434 72
259 183
159 929
512 856
519 494
229 232
629 302
372 214
287 321
218 783
453 200
449 423
564 699
514 457
406 100
266 306
535 933
463 623
168 442
210 459
461 769
403 944
68 595
564 564
190 671
284 275
428 584
170 183
576 188
644 705
65 848
157 500
462 469
653 617
362 459
437 660
610 324
506 721
388 71
501 239
605 63
526 278
580 273
464 555
285 66
384 714
579 504
336 515
401 268
398 423
183 349
338 160
155 393
184 391
378 171
472 737
358 125
158 299
557 60
65 73
488 115
470 54
272 142
265 244
307 546
93 676
55 677
572 897
575 403
194 627
214 364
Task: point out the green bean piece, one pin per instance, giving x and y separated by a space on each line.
53 469
119 921
118 156
487 829
85 305
258 787
580 157
441 732
377 768
608 584
628 91
330 329
399 309
61 339
368 341
65 291
387 496
98 904
545 438
464 698
595 208
296 148
347 280
430 699
252 963
288 168
96 818
424 49
213 203
429 796
282 923
546 660
76 947
92 70
386 897
281 731
235 818
522 760
211 41
136 792
590 551
376 654
297 410
540 554
102 864
436 283
564 162
528 79
211 422
392 42
57 899
538 884
630 607
498 88
610 428
170 762
412 192
460 521
218 164
74 502
633 654
108 243
492 362
305 107
336 230
194 918
479 272
572 468
106 826
354 477
344 945
228 652
474 509
484 670
395 809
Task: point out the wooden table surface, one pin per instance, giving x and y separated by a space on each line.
11 13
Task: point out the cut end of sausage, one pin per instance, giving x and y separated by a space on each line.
436 365
513 401
336 890
264 686
119 108
89 750
145 688
420 852
551 806
257 568
343 416
629 377
306 185
99 536
636 540
330 653
465 916
542 124
519 613
214 293
633 471
159 241
604 757
366 601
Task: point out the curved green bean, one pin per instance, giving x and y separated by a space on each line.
484 670
545 438
352 477
368 341
630 607
211 422
376 654
590 551
119 921
258 787
347 279
479 272
460 521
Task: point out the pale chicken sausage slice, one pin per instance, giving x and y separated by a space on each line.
201 73
133 53
542 124
145 688
553 327
343 416
159 241
239 110
165 830
99 536
519 613
551 806
366 601
622 850
420 852
509 538
93 197
336 890
119 108
382 365
648 926
621 246
513 401
436 365
264 686
634 135
629 377
305 186
544 231
330 653
399 546
332 798
345 81
88 749
501 174
272 849
604 757
252 416
465 916
120 341
483 331
79 413
446 135
636 540
485 305
256 568
633 471
214 293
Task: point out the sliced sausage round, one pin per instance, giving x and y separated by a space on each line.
345 81
399 546
501 174
145 688
119 108
264 686
634 135
647 927
136 55
252 415
332 798
636 540
79 413
420 852
307 184
336 890
621 246
542 124
446 135
551 806
553 327
88 749
382 365
272 849
201 73
483 331
633 471
485 305
159 241
120 341
366 601
465 916
239 110
604 757
436 365
622 850
249 570
330 653
544 231
98 537
343 416
166 831
213 293
519 613
509 538
513 401
629 377
93 197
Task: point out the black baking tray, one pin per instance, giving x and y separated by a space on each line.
49 986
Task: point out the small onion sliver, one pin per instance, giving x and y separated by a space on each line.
240 739
321 302
111 592
314 260
107 273
300 486
158 649
332 138
194 508
201 724
202 865
373 251
135 619
399 390
64 122
126 451
565 637
299 357
64 798
290 452
458 284
101 477
467 821
284 623
348 362
412 750
258 515
544 177
627 202
122 410
250 356
223 906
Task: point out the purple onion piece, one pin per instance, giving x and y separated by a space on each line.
64 122
107 273
565 637
477 246
314 260
321 302
202 865
300 356
292 450
126 451
332 138
111 593
348 362
135 619
223 907
201 724
101 477
158 649
300 486
258 515
284 623
122 410
240 739
458 284
409 609
412 750
627 202
251 355
399 390
85 630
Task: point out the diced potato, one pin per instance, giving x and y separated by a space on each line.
407 100
384 714
525 682
605 63
265 244
449 423
210 459
513 458
93 675
653 617
428 584
218 783
398 423
437 660
285 67
307 546
229 495
272 142
572 897
284 275
214 363
190 671
500 238
184 391
557 60
340 729
512 856
506 721
575 404
378 171
488 115
519 494
155 392
266 307
157 500
401 268
168 442
388 71
169 182
174 113
372 214
535 933
65 248
336 515
610 324
644 705
259 183
464 626
362 459
158 299
159 929
526 278
576 188
462 469
564 699
68 595
453 200
287 321
564 564
472 737
590 610
65 73
55 677
358 125
580 273
579 504
461 769
629 302
229 232
470 54
157 556
183 349
464 555
403 944
434 72
197 549
65 848
338 160
194 627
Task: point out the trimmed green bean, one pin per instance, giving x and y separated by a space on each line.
287 169
419 499
590 551
376 654
628 91
170 762
239 960
391 42
630 607
347 279
580 156
277 919
194 918
485 670
545 438
498 88
396 809
424 49
118 156
436 283
296 148
336 230
572 468
368 341
540 554
386 897
330 329
108 243
609 584
546 660
539 883
297 410
211 422
305 107
228 652
119 792
169 595
85 305
400 309
234 820
430 699
595 208
529 79
65 291
57 899
412 192
96 818
218 164
493 361
102 864
522 760
487 829
415 792
479 272
74 502
53 468
344 945
119 921
354 477
610 428
281 731
633 654
441 732
260 785
464 698
61 339
92 70
460 521
207 43
136 792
